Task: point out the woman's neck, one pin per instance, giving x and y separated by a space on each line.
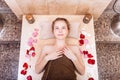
60 43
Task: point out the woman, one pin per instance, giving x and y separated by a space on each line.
60 61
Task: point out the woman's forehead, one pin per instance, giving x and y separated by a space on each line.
60 22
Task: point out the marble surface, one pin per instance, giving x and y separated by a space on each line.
103 24
102 28
11 29
110 6
108 55
3 4
9 59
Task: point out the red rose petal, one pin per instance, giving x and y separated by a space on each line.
27 52
91 61
32 48
85 52
81 42
89 55
82 36
33 54
91 78
23 72
29 77
25 65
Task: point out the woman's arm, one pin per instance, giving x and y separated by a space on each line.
41 62
76 58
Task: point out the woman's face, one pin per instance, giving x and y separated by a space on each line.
60 29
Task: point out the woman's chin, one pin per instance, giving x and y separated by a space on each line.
60 38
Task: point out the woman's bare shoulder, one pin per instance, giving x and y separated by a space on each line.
74 48
47 48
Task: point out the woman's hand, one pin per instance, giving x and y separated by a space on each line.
69 54
76 58
53 55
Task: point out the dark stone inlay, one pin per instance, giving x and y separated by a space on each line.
108 56
9 59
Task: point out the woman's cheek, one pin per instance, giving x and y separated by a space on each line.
66 33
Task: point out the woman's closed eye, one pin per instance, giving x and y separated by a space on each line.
63 27
56 28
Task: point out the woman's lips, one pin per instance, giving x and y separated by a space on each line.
60 34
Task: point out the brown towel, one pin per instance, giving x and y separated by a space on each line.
60 69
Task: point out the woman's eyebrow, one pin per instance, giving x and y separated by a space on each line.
56 26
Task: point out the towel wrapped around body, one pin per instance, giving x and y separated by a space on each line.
60 69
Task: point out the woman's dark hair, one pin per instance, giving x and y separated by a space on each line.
61 19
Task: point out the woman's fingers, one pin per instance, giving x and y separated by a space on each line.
68 53
58 56
66 50
60 52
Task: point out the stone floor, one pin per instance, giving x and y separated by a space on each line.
108 56
9 59
107 46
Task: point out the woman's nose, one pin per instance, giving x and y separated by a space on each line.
60 30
